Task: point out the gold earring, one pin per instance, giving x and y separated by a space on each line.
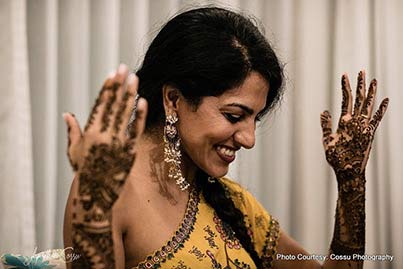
172 153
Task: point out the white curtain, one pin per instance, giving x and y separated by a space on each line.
55 55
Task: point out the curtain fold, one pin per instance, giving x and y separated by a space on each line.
55 55
17 226
42 48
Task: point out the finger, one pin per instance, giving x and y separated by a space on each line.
106 114
99 106
113 103
122 73
73 136
326 124
119 107
367 108
346 104
131 99
373 124
360 94
73 128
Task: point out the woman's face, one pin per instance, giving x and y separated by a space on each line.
221 125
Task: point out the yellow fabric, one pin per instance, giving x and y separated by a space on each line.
204 241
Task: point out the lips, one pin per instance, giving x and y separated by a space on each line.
225 153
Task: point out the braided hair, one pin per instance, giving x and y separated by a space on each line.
215 195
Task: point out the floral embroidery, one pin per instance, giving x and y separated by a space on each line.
249 227
179 238
216 265
259 220
238 195
226 232
241 265
270 244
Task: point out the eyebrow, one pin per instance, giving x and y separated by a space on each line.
248 110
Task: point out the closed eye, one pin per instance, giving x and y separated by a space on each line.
233 118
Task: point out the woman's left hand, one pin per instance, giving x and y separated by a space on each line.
347 150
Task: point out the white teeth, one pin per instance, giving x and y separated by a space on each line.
226 151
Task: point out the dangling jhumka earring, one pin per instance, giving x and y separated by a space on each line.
172 153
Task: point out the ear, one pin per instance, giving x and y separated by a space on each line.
171 98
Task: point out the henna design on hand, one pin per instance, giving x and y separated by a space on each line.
108 108
95 247
360 93
121 110
102 158
347 151
368 104
103 175
101 181
94 110
346 95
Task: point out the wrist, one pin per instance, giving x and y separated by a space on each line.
350 181
348 174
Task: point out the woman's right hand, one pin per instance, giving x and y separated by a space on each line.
103 154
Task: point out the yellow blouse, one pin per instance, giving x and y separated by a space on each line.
202 240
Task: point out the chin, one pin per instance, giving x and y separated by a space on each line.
217 172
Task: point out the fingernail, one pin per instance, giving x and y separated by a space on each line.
131 77
121 68
64 115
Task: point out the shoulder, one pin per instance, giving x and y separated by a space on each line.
263 228
230 185
242 198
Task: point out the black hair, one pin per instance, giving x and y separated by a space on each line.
205 52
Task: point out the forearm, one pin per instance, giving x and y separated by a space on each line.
95 245
349 230
91 234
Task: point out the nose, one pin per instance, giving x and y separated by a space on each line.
245 136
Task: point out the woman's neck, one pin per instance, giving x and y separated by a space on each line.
150 164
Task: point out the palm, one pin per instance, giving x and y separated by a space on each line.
347 150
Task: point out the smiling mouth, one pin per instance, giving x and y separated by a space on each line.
225 153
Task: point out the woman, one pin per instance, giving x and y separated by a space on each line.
207 78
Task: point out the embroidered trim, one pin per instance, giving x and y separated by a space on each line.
270 244
226 232
178 239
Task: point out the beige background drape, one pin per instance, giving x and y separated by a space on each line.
54 55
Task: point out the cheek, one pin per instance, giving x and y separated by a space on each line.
200 135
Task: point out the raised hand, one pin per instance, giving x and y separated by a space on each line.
347 150
102 157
